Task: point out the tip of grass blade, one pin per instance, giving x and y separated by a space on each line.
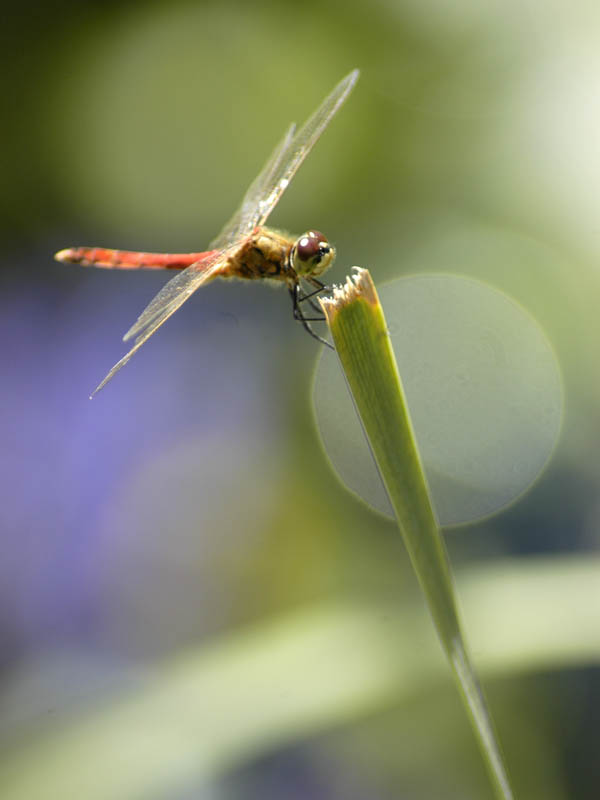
359 284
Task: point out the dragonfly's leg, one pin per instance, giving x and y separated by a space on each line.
313 305
321 287
299 313
299 316
311 294
308 296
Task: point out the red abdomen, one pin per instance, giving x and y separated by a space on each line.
129 259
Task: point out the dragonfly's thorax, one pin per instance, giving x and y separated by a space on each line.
263 254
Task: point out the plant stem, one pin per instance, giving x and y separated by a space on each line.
357 324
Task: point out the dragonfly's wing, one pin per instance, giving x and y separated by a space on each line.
166 302
299 147
242 222
264 193
177 290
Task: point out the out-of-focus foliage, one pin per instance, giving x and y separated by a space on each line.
191 497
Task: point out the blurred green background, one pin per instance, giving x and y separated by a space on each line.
191 605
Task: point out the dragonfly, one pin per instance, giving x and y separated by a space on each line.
245 248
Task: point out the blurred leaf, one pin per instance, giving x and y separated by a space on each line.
205 713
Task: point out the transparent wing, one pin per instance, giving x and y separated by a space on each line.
177 290
264 193
239 225
301 145
166 302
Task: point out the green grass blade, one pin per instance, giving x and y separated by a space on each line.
359 331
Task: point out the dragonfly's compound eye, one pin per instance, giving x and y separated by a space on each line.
312 254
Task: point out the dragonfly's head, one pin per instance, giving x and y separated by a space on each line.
311 254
